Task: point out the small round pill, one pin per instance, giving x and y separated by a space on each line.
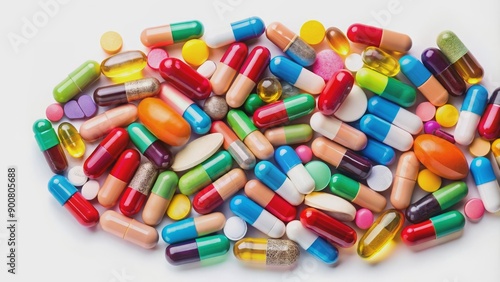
179 207
269 89
76 176
195 52
304 152
90 189
111 42
207 69
312 32
474 209
447 115
327 63
54 112
479 147
156 56
320 173
428 180
364 218
353 62
235 228
216 107
380 178
425 111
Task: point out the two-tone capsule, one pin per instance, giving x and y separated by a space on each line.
136 194
328 227
273 178
338 131
437 63
291 44
238 150
150 146
280 112
386 132
271 252
296 75
161 194
198 249
473 106
166 35
312 243
185 79
486 182
395 114
228 67
489 125
290 163
241 30
49 144
289 134
126 92
193 227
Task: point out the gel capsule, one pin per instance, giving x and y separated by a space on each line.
150 146
161 194
239 151
137 192
69 197
105 154
129 229
489 125
172 33
335 92
272 252
248 76
386 132
198 249
283 111
185 79
289 134
338 131
473 106
100 125
296 75
436 202
126 92
77 81
381 61
124 64
290 163
49 144
487 183
71 139
194 227
395 114
328 227
228 67
404 180
383 38
338 41
291 44
312 243
380 233
461 59
241 30
272 177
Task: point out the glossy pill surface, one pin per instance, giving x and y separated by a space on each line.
71 139
129 229
124 64
272 252
77 80
198 249
48 143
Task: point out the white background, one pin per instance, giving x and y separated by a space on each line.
51 244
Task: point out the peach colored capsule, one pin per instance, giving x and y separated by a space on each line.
404 180
100 125
228 67
129 229
338 131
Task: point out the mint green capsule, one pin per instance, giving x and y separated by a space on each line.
76 81
252 103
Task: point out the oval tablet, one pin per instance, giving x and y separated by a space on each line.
197 151
179 207
333 205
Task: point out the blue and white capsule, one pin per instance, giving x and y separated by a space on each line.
296 75
379 152
257 216
193 227
242 30
395 114
473 106
312 243
386 132
486 182
290 163
199 121
273 178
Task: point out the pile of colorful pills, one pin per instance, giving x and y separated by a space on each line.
316 147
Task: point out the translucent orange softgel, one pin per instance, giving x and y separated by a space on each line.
441 157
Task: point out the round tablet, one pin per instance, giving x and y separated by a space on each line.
54 112
305 153
479 147
207 69
76 176
197 151
364 218
425 111
312 32
333 205
216 107
90 189
179 207
321 174
447 115
111 42
474 209
354 105
155 57
380 178
428 180
235 228
195 52
327 63
353 62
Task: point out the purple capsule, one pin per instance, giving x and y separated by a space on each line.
437 63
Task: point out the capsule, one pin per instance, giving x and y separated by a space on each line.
296 75
213 195
356 193
328 227
252 103
105 154
495 149
249 134
185 79
49 144
434 128
404 180
383 38
338 131
161 194
335 92
228 67
129 229
77 81
152 148
434 228
124 64
489 125
166 35
198 249
280 112
380 233
239 151
290 163
423 79
487 183
341 158
273 178
378 152
395 114
436 202
205 173
338 41
272 252
248 76
312 243
459 56
381 61
193 227
164 122
291 44
130 91
68 196
71 139
257 216
473 106
437 63
93 129
289 134
386 132
137 192
199 121
118 178
241 30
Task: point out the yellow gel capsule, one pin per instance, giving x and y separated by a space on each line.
381 61
428 181
111 42
195 52
71 139
447 115
495 148
338 41
383 230
179 207
312 32
275 252
124 64
269 89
